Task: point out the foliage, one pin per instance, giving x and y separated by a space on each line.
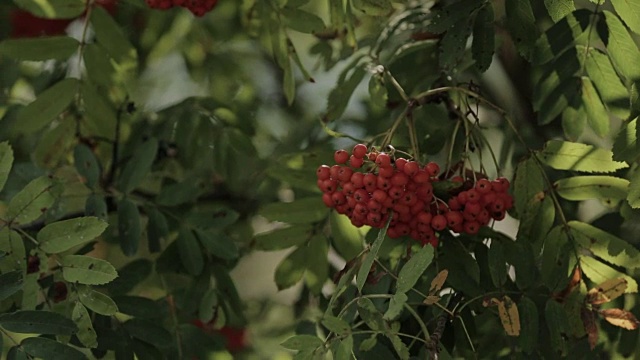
144 150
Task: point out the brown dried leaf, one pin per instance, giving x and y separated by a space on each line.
509 316
607 291
431 299
589 321
573 283
619 317
438 281
490 302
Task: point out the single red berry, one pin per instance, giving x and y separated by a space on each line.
357 179
372 156
402 209
417 207
361 196
370 180
361 209
505 183
421 177
498 205
327 200
499 215
338 198
409 199
392 233
383 183
425 192
348 189
341 157
483 186
396 192
454 205
356 162
473 195
360 151
374 206
483 217
383 160
351 201
471 227
386 172
439 222
329 186
373 218
433 169
379 195
399 179
400 163
424 218
334 170
411 168
323 172
344 174
454 218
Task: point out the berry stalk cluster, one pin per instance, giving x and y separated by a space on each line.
197 7
403 189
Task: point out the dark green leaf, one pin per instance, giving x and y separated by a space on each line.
559 8
302 342
283 238
16 353
365 267
629 11
109 35
129 227
344 350
302 211
61 236
32 201
497 264
6 160
635 101
86 164
370 314
148 332
561 36
622 50
10 283
53 9
557 321
47 106
212 217
157 229
209 306
414 268
522 26
50 349
483 45
634 190
579 188
291 269
444 18
138 306
130 275
86 334
301 20
317 265
179 193
190 252
529 321
87 270
340 95
37 322
396 304
218 244
597 116
336 325
38 49
96 206
454 44
13 247
139 166
99 112
558 99
98 64
554 266
97 301
527 185
564 155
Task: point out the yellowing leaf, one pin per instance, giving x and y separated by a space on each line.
607 291
619 317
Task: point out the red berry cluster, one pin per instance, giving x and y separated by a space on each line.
197 7
404 189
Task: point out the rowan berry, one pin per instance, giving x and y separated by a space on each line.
357 179
348 189
483 186
439 222
323 172
425 192
334 170
421 177
424 218
361 196
361 209
454 218
498 215
383 160
409 199
341 157
411 168
379 195
329 186
471 227
396 192
417 207
454 204
374 206
432 169
473 195
370 180
400 163
344 174
383 183
386 172
360 151
338 198
355 162
399 179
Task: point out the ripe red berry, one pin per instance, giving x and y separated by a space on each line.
338 198
374 206
439 222
344 174
361 196
383 183
379 195
396 192
411 168
424 218
370 180
471 227
356 162
386 172
483 186
329 186
399 179
433 169
357 179
383 160
341 157
323 172
421 177
333 171
360 151
400 163
454 218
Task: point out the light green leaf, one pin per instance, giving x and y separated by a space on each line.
61 236
634 100
317 266
622 50
522 26
336 325
6 161
345 237
629 11
87 270
38 49
365 267
370 314
45 348
190 252
573 121
97 301
597 116
483 45
414 268
283 238
301 20
559 8
139 166
606 246
302 211
558 99
302 342
37 322
396 304
528 339
12 246
634 190
556 318
53 9
625 146
599 272
564 155
579 188
10 283
344 349
373 7
291 269
613 92
218 244
47 106
129 228
86 334
32 201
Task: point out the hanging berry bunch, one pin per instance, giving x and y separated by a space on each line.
197 7
403 189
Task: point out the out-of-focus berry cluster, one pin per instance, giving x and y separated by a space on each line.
197 7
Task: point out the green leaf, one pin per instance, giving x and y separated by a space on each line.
46 348
527 185
336 325
37 322
483 45
561 36
444 18
39 49
291 269
32 201
10 283
597 116
559 8
61 236
283 238
302 342
86 164
629 11
339 97
179 193
86 334
559 98
129 228
97 301
370 314
497 264
625 146
373 7
87 270
218 244
302 211
522 26
317 271
613 92
190 252
621 48
556 318
98 64
573 121
31 290
12 246
370 257
635 101
6 160
109 34
528 339
149 332
579 188
130 275
564 155
137 306
301 20
346 238
414 268
634 190
606 246
599 272
53 9
344 349
554 267
100 115
157 229
139 166
208 306
96 206
396 304
453 44
47 106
